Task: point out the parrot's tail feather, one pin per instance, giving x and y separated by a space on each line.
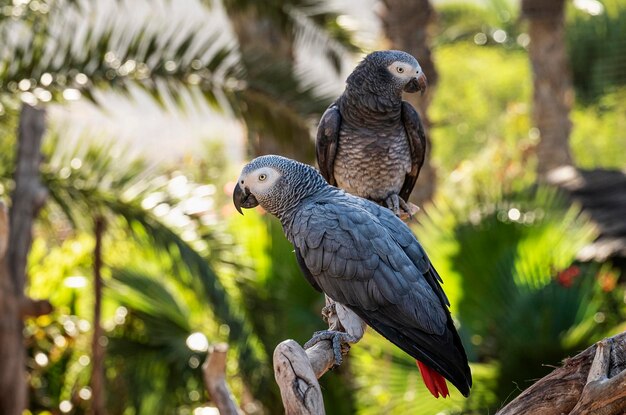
435 383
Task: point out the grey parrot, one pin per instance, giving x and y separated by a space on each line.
370 142
362 256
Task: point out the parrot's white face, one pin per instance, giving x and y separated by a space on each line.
403 70
261 181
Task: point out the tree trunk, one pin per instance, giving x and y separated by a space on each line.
553 94
406 24
259 37
98 401
29 195
12 374
27 198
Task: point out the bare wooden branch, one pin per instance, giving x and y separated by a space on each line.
298 383
214 372
602 395
296 370
34 308
592 382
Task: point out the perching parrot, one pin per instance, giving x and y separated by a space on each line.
370 142
361 255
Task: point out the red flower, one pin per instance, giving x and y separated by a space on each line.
567 276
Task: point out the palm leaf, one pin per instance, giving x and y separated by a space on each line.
101 185
155 44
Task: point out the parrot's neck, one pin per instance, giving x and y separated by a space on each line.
364 108
311 185
287 218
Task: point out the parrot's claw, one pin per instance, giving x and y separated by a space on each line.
393 203
400 208
340 341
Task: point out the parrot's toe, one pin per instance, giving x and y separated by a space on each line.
393 203
339 340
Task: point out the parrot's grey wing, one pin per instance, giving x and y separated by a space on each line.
411 247
417 142
327 141
356 261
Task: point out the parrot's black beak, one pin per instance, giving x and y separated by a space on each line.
419 83
242 198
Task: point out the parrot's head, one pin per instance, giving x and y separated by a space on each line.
275 183
388 72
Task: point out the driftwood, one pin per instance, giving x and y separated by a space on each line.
214 373
592 382
297 370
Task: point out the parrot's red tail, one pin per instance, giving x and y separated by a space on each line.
435 383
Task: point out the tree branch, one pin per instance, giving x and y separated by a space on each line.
214 372
296 370
593 381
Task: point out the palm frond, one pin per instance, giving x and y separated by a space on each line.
147 349
83 45
123 193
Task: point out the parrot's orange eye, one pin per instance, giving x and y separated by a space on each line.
262 177
400 69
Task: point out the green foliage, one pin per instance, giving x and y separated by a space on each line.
482 98
172 217
598 138
597 48
461 21
153 370
58 356
520 303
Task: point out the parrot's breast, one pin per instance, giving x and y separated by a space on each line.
372 164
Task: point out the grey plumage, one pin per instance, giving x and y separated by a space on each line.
361 256
370 142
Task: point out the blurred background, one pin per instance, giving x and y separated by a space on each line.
152 106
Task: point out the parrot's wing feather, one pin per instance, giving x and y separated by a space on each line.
305 271
326 142
417 142
406 240
373 264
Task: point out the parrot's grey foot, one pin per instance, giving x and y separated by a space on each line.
393 203
340 341
400 208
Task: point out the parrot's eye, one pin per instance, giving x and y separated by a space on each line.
400 69
262 177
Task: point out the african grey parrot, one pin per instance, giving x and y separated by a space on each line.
362 256
370 142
